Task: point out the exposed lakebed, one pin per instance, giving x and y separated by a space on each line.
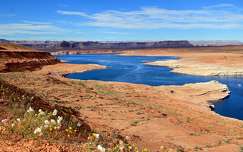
133 70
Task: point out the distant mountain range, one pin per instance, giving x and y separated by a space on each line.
215 43
72 45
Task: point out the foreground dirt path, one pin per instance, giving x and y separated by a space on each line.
199 61
173 117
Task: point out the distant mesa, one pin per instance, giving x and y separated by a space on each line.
85 45
3 41
72 45
215 43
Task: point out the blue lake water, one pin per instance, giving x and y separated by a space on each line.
132 70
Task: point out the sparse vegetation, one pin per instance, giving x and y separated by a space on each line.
42 124
197 148
135 123
241 148
49 125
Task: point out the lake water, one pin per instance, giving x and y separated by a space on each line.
132 70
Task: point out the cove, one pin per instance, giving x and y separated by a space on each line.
133 70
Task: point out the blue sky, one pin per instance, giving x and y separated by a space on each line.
121 20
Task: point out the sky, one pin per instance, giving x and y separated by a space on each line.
121 20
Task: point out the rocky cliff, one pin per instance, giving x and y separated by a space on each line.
14 57
21 61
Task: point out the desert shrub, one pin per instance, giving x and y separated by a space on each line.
95 143
40 124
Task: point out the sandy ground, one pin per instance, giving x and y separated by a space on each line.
172 117
216 61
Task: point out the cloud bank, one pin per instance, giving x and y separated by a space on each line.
221 16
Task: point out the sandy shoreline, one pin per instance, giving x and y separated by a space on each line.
62 69
197 62
211 91
204 92
200 69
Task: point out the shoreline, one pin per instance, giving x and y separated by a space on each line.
76 68
62 68
190 61
213 90
197 69
220 88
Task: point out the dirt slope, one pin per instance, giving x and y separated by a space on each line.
14 47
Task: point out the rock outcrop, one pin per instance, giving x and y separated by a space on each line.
21 61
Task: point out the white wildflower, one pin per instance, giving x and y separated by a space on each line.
4 121
97 136
127 138
18 119
121 145
100 148
46 122
38 130
78 124
41 113
13 124
59 119
30 110
54 112
53 121
31 98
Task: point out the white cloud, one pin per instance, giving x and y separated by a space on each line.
28 28
157 18
221 6
114 33
72 13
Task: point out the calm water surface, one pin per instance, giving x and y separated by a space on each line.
132 70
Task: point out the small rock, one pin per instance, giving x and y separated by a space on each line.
212 107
